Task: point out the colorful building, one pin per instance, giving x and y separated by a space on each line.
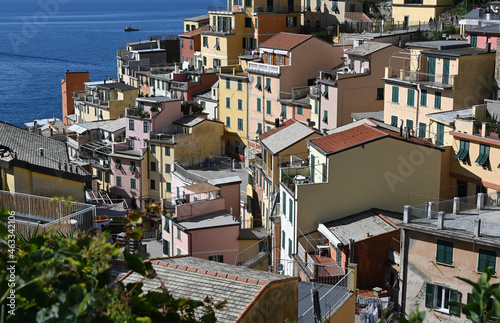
437 76
103 100
340 88
288 61
191 48
72 82
193 23
238 29
319 14
411 12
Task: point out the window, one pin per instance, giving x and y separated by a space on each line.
153 149
228 122
167 168
99 174
182 44
240 124
169 187
437 100
283 239
179 236
437 297
409 124
228 103
132 183
205 60
300 110
283 200
153 184
167 151
118 164
486 258
118 181
473 40
268 107
325 92
446 71
410 99
256 22
283 111
444 252
179 251
166 223
240 85
394 121
132 143
290 248
95 112
292 21
216 62
205 41
217 46
146 127
395 94
166 247
240 104
312 167
423 98
131 125
248 22
308 5
132 166
258 85
324 173
259 128
106 178
268 128
218 258
325 116
484 154
259 108
191 44
228 84
290 209
422 129
463 153
153 166
380 93
268 84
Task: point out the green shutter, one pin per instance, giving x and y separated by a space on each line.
318 5
283 239
290 213
444 252
268 103
487 258
429 295
394 121
422 130
259 105
284 203
395 94
423 98
454 297
446 71
431 68
335 6
410 100
437 100
312 167
440 134
308 5
325 93
324 173
290 248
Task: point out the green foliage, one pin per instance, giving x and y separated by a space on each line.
189 107
458 10
482 291
327 35
415 317
66 279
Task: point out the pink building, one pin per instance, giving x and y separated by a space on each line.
287 61
184 85
201 226
480 37
355 87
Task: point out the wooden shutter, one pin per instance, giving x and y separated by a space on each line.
454 297
429 295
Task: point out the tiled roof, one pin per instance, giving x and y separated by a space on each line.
285 136
26 146
359 135
197 278
359 226
195 32
286 41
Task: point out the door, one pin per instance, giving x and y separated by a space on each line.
446 71
440 134
406 22
269 5
461 189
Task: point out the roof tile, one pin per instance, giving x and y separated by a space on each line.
286 41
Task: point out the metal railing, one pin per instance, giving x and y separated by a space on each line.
179 85
32 211
421 77
88 98
324 273
263 68
253 253
331 300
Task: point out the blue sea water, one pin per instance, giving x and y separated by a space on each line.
41 39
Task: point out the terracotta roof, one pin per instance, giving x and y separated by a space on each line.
357 15
275 130
285 41
195 31
359 135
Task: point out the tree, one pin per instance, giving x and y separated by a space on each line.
62 278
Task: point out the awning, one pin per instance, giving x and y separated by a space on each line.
76 128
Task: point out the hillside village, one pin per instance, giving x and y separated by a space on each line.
363 167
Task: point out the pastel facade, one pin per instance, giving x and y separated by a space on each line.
73 81
319 14
184 85
289 61
413 11
190 48
340 88
193 23
105 100
440 79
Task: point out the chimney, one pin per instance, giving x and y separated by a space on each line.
67 71
104 81
277 122
35 125
41 151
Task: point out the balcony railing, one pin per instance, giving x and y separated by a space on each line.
254 253
265 168
487 129
137 112
439 80
230 70
87 98
183 86
295 175
263 68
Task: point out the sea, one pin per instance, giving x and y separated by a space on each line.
41 39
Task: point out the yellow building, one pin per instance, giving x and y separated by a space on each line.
193 23
435 76
239 29
37 165
187 142
233 109
105 100
412 12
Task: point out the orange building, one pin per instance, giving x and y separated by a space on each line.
73 81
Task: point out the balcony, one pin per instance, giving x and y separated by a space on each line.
76 140
263 166
230 70
220 30
137 112
295 175
487 129
86 98
182 86
439 81
262 68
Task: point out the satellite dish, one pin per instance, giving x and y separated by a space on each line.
279 267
